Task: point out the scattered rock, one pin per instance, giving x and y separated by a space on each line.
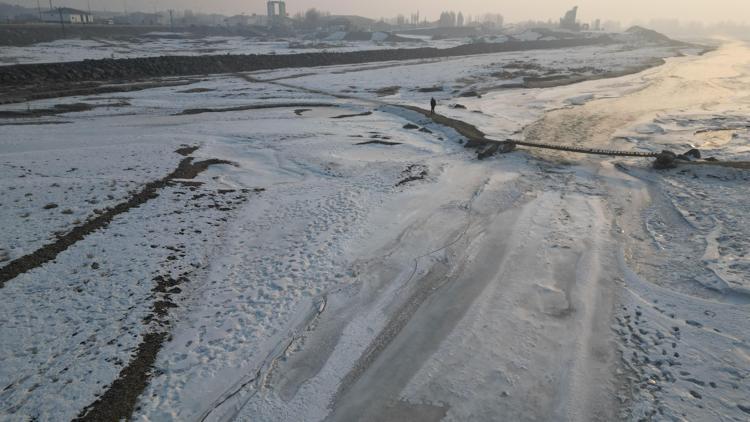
413 172
471 93
425 130
50 206
410 126
488 151
665 160
435 88
459 106
693 153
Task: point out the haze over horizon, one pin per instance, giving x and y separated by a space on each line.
632 10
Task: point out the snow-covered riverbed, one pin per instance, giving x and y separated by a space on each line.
356 261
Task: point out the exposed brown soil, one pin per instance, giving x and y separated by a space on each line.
187 150
196 90
58 109
378 142
345 116
386 91
412 173
187 169
435 88
119 401
252 107
34 123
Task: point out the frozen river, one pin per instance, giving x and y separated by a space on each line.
356 262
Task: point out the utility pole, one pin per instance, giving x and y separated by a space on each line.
171 20
39 7
62 23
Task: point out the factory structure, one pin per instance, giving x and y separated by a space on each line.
276 12
569 21
66 15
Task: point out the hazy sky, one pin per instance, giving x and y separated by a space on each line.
513 10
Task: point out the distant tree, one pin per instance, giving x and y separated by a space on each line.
447 19
312 18
460 19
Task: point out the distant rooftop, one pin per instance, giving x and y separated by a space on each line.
68 10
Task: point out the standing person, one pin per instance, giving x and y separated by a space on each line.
433 103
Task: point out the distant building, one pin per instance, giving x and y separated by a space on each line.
140 18
569 21
237 20
276 17
257 20
67 15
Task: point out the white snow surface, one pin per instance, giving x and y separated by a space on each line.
397 282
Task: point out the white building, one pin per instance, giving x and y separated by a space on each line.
67 15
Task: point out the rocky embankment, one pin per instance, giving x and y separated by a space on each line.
137 68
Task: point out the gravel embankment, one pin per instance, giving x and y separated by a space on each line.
135 68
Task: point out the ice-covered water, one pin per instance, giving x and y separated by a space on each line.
384 272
